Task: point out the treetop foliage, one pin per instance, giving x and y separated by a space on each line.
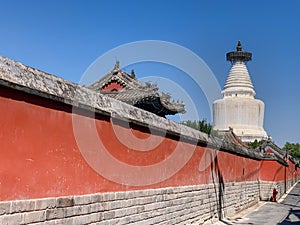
201 125
293 149
255 143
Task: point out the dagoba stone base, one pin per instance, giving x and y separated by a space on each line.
243 114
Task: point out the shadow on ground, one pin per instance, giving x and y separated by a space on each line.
233 222
292 218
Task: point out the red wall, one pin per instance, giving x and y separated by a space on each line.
292 172
272 171
40 157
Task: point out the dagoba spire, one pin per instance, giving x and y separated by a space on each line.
238 81
239 109
239 55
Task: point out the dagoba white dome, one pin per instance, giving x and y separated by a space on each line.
238 109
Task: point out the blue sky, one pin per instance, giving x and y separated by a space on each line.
64 37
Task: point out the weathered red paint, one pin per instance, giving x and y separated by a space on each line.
113 86
39 155
271 170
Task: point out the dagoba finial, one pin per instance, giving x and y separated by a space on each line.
239 55
239 46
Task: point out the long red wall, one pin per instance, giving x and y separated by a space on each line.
271 170
40 157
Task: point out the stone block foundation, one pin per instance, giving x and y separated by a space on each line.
173 205
266 188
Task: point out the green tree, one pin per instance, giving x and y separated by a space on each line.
255 143
201 125
293 149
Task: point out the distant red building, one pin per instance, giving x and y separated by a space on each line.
127 88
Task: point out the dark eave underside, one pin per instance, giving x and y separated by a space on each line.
155 106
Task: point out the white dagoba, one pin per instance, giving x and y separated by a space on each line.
239 109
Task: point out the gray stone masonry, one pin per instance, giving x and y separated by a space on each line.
174 205
266 188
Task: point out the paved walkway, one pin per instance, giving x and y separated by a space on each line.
285 212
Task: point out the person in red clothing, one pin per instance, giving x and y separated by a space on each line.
273 198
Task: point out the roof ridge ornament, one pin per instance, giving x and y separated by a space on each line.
132 73
117 65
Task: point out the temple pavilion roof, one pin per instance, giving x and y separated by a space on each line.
127 88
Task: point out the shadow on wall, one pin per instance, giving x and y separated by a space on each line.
218 182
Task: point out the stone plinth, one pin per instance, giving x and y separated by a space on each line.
244 115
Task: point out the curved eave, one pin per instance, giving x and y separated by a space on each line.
158 107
